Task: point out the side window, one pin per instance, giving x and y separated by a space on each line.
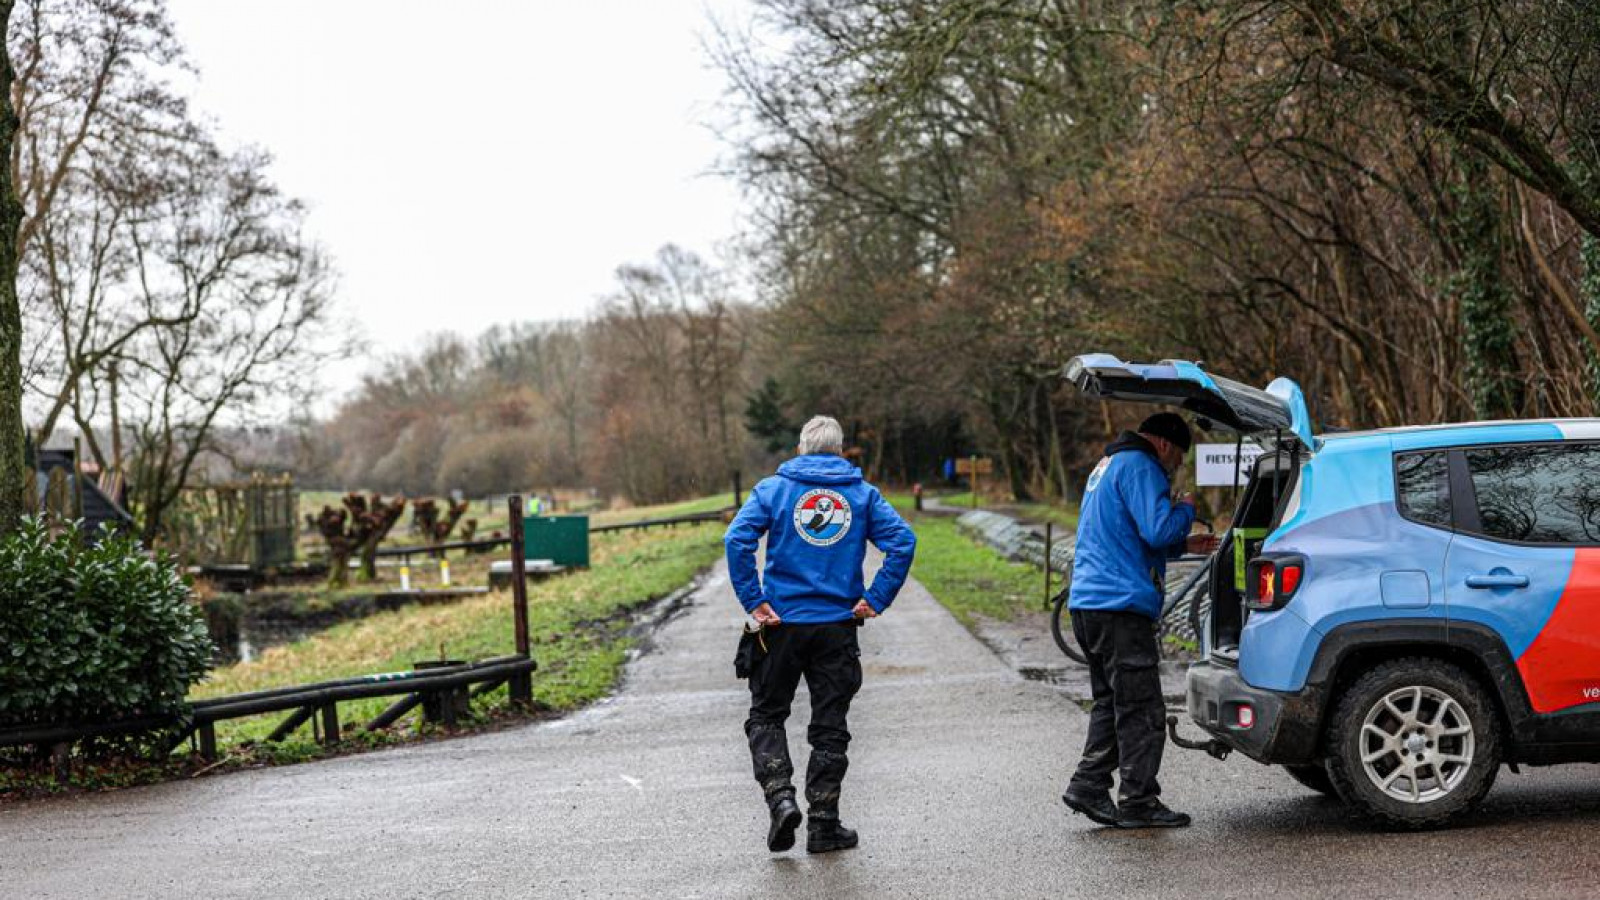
1542 493
1422 487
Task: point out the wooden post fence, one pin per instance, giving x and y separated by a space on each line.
520 686
1049 543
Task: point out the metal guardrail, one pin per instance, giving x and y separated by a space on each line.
717 515
425 549
441 691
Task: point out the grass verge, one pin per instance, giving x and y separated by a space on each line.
710 503
969 578
1065 516
578 624
575 622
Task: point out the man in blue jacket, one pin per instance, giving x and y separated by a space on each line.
817 515
1128 528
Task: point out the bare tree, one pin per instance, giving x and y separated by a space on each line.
247 315
91 100
562 374
1509 78
151 261
88 82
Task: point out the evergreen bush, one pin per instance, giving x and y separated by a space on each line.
93 631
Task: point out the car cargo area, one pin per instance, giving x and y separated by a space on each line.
1261 507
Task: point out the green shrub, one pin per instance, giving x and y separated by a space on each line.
93 632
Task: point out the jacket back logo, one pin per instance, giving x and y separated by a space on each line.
822 517
1098 473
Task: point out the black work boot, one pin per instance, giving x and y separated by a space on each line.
785 819
827 835
1097 807
1150 815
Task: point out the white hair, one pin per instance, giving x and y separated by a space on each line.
822 435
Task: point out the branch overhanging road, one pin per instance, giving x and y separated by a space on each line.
956 771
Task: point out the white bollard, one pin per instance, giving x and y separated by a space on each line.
405 577
444 572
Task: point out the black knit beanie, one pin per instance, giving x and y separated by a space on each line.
1170 426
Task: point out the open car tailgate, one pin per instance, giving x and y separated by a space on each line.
1281 408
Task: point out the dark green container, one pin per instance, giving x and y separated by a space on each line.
564 540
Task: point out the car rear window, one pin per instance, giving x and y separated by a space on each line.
1422 487
1544 493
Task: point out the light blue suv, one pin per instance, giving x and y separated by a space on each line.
1411 608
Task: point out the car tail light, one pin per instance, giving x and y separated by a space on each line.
1245 716
1277 577
1288 578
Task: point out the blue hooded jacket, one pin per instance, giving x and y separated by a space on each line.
818 515
1127 530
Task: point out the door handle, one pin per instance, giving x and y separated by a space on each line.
1497 580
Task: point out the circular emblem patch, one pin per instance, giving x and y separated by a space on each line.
822 517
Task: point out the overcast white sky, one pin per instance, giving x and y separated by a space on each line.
474 162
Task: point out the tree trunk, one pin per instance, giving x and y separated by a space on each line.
1489 334
13 467
1590 285
338 566
369 558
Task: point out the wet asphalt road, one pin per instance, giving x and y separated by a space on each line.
956 771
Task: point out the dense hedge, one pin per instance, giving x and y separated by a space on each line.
93 632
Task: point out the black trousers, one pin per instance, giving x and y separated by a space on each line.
1127 723
829 658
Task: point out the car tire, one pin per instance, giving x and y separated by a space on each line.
1413 743
1313 776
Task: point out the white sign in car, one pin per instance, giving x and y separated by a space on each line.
1213 464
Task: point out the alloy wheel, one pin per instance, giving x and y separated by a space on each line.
1417 744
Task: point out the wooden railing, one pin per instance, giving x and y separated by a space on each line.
443 693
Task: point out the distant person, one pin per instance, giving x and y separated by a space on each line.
817 515
1127 529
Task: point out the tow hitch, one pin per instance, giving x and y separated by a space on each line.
1216 748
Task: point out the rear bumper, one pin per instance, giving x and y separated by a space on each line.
1286 726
